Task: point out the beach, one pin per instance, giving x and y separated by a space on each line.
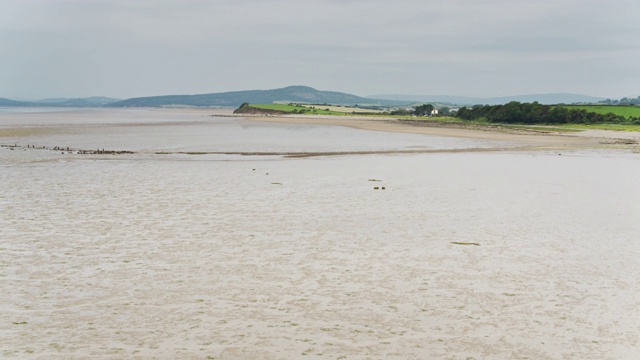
322 238
525 137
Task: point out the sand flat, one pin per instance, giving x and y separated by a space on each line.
580 139
175 256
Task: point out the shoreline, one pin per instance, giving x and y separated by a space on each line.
524 139
510 139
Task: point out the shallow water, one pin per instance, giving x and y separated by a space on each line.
153 131
267 257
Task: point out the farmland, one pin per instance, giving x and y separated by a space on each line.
311 109
297 109
627 111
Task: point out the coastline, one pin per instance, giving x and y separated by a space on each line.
523 139
505 138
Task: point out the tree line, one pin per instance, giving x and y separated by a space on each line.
422 110
535 113
623 101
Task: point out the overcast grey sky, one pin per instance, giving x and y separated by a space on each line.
118 48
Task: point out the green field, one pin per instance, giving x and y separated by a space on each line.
295 109
441 119
614 127
623 110
627 111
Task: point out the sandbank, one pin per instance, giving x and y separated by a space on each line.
521 139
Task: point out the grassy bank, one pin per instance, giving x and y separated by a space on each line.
298 109
614 127
627 111
551 127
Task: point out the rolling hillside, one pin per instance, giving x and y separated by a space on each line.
560 98
301 94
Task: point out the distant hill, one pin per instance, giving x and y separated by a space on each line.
96 101
8 102
465 100
302 94
623 101
298 94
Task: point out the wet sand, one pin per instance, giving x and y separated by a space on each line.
523 139
517 139
508 254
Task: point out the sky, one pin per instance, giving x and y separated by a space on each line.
485 48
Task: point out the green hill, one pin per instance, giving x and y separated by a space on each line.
297 94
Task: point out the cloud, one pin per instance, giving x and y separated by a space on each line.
124 48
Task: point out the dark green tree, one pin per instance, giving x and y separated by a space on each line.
423 110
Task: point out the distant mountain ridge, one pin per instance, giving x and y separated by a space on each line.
302 94
79 102
556 98
9 102
94 101
299 94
